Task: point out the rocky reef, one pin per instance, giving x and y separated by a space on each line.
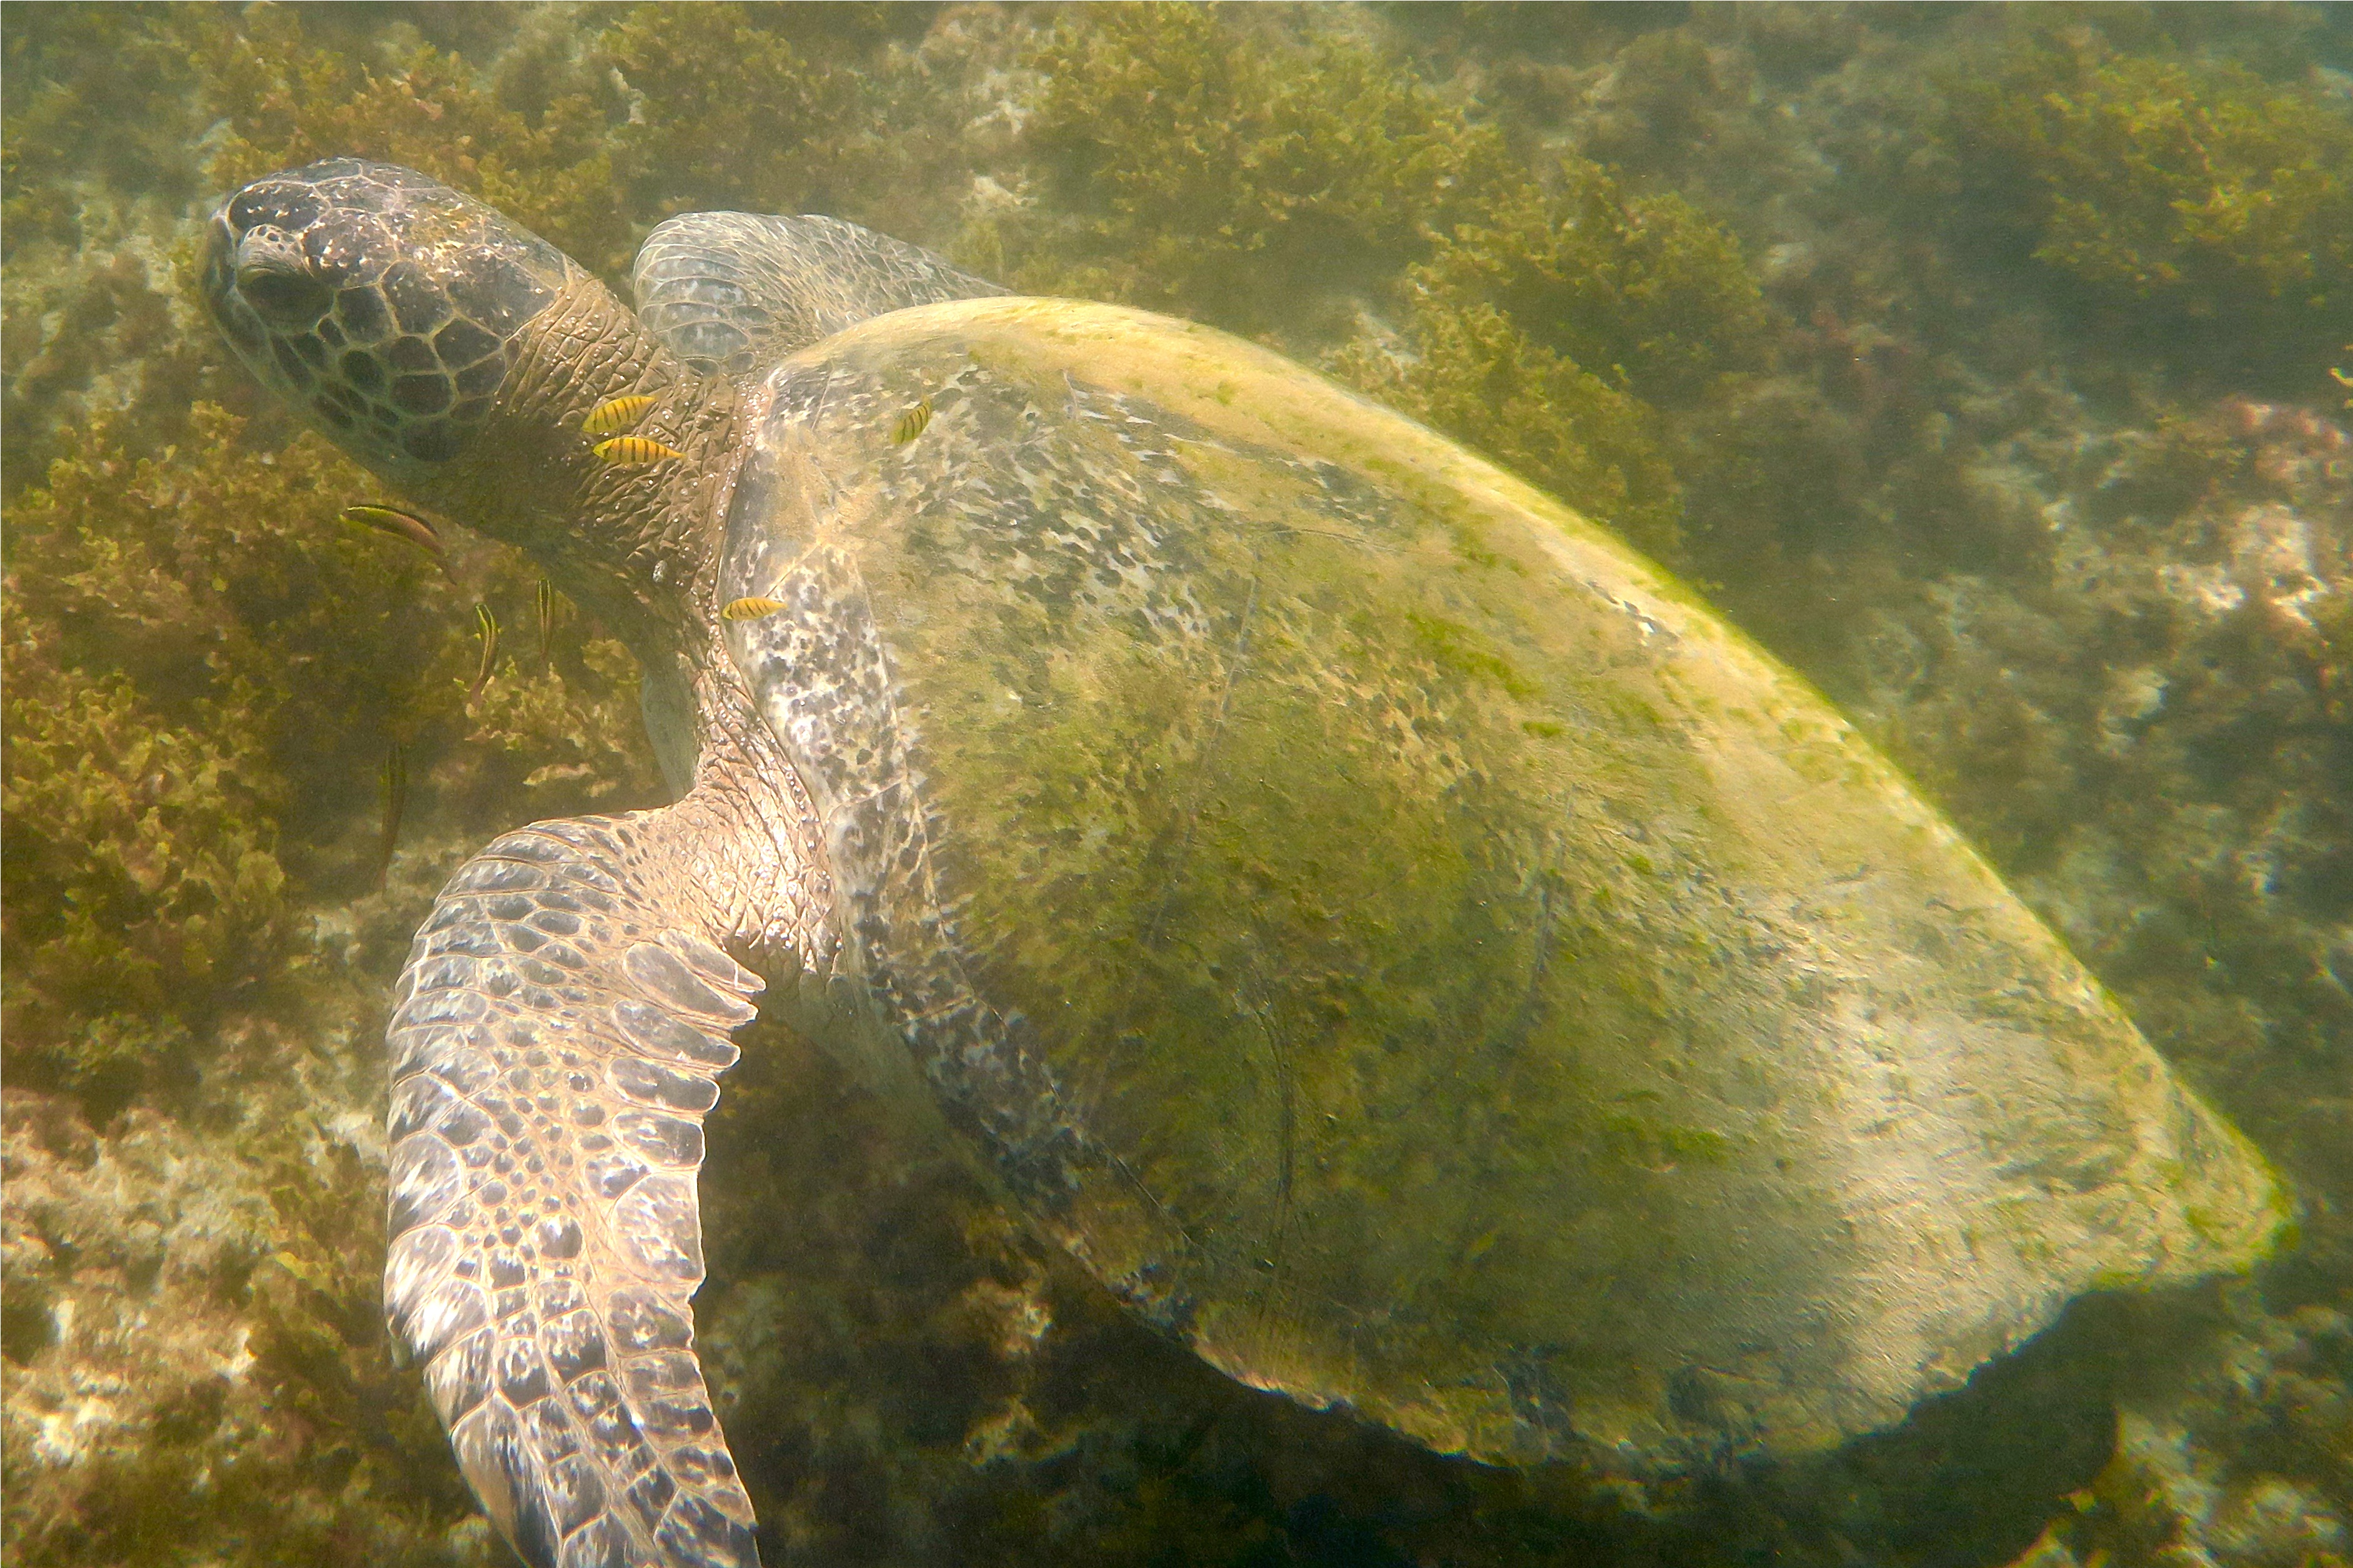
1976 361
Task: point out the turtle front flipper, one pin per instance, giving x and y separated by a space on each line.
735 292
559 1025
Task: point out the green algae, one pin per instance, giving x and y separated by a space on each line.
73 70
1202 165
2191 196
203 666
586 141
1551 333
313 1451
1643 288
1479 378
143 888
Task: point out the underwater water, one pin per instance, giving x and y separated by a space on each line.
1987 366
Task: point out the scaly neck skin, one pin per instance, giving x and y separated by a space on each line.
638 546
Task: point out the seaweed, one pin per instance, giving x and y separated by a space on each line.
1479 378
204 663
1644 290
2203 207
303 1445
1195 162
587 142
143 887
285 100
723 111
1199 162
1553 333
89 100
97 161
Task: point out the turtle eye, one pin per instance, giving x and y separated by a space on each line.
285 299
276 280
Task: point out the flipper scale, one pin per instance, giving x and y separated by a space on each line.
734 292
557 1032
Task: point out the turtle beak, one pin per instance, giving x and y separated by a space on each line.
276 278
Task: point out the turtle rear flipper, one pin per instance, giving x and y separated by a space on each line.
734 292
559 1025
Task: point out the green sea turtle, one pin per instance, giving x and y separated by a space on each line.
1405 946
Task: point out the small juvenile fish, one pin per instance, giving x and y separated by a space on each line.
400 524
486 625
911 424
616 415
634 451
751 609
394 779
546 621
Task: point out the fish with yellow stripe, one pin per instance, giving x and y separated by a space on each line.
403 525
486 624
635 451
912 424
616 415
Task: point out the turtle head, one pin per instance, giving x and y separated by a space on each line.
457 355
386 306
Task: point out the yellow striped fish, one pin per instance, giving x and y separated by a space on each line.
404 525
486 625
395 801
616 415
749 609
911 424
634 451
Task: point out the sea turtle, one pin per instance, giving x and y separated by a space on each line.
1408 947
